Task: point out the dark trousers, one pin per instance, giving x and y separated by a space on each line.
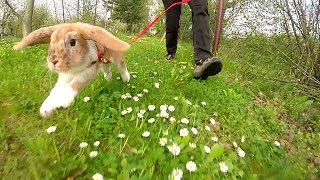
200 27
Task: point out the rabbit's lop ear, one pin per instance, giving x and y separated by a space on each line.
102 37
40 36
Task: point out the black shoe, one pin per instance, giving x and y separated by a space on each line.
170 57
207 67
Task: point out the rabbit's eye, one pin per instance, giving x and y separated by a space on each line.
72 42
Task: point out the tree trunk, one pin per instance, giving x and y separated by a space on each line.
27 18
63 16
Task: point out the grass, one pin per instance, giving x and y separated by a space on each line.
241 100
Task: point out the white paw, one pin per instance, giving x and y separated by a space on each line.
107 76
57 99
125 77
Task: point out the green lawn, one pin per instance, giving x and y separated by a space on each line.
248 109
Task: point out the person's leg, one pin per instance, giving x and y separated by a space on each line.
172 27
206 64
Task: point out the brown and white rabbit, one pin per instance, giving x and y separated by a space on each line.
75 52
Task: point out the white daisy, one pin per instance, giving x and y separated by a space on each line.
146 134
184 132
215 139
184 121
176 174
140 115
86 99
164 114
188 102
142 111
223 167
234 144
192 145
277 143
134 76
163 107
203 103
96 144
139 95
97 176
151 107
129 109
241 153
83 145
191 166
124 112
128 95
155 73
171 108
174 149
121 136
207 149
151 120
118 78
212 121
93 154
207 128
145 90
123 96
157 85
172 120
51 129
135 98
133 87
163 141
176 98
194 131
242 139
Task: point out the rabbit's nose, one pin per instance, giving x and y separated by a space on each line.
54 62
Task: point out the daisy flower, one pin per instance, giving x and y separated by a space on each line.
93 154
97 176
83 145
146 134
242 139
241 153
176 98
172 119
157 85
188 102
121 136
135 98
212 121
184 132
51 129
145 90
163 107
123 96
140 115
207 128
207 149
203 103
174 149
128 95
223 167
118 78
151 120
191 166
215 139
133 87
134 76
184 121
164 114
86 99
194 131
96 144
124 112
129 109
151 107
171 108
142 111
176 174
139 95
163 141
192 145
277 143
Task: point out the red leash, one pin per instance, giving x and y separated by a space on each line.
156 20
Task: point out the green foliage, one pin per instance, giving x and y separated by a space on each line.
131 12
242 103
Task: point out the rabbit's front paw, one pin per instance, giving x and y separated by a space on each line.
125 76
47 109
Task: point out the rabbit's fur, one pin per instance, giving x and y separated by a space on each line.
73 54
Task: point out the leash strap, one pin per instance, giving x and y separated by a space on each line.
156 20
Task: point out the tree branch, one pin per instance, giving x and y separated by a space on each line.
12 9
